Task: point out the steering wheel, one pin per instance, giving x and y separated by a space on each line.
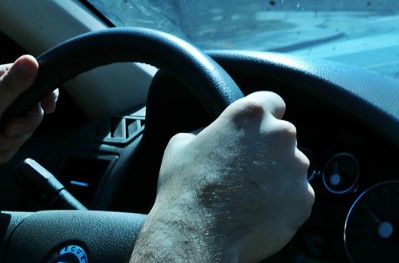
54 236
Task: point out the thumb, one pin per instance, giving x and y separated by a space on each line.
17 79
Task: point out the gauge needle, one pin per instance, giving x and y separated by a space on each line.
375 218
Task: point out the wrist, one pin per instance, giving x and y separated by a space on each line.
183 231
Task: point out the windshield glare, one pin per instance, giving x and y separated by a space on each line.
360 32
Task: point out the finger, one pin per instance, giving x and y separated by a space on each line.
270 101
279 136
49 103
24 124
254 109
17 79
9 144
285 130
303 161
282 138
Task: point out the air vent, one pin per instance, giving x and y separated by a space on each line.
82 175
116 130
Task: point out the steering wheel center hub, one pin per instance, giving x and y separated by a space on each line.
70 254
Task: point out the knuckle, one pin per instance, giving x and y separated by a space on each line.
289 129
179 139
253 108
310 199
176 138
275 103
286 130
302 159
247 111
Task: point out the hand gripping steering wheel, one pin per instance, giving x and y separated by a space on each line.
107 236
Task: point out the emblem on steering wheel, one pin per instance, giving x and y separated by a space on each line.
69 254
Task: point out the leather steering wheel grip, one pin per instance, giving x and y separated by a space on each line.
213 87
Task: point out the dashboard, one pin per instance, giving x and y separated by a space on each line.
352 172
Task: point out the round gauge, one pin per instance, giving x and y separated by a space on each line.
341 173
371 232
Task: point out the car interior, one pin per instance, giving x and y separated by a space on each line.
88 176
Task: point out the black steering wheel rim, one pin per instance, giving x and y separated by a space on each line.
204 77
24 237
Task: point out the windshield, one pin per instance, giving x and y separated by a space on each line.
363 33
